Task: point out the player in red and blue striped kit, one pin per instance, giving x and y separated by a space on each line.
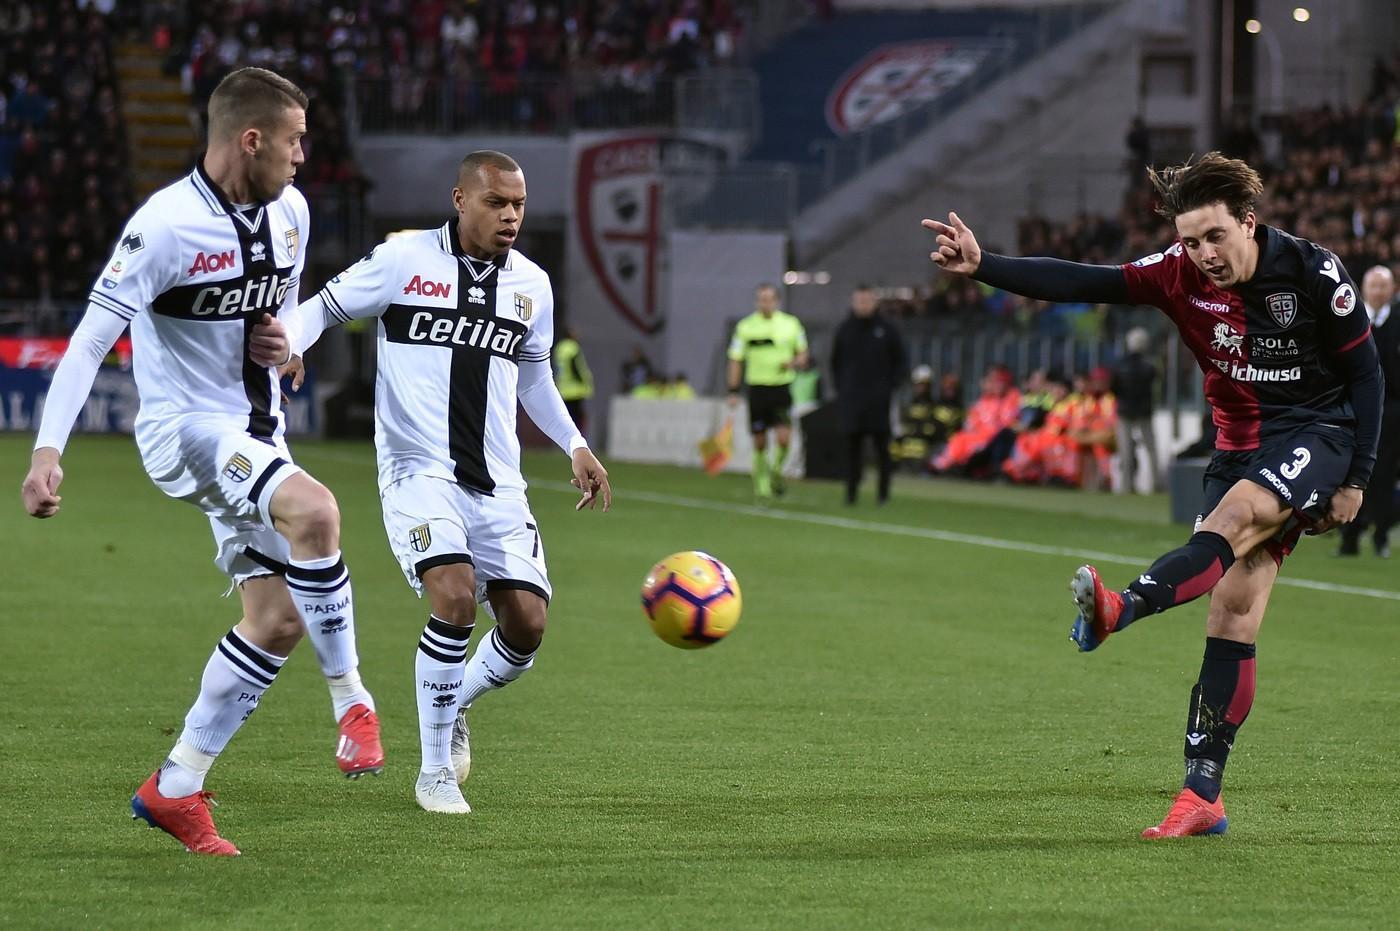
1295 388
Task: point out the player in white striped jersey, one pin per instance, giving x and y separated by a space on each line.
466 325
199 273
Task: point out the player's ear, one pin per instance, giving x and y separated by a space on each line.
1250 221
250 140
457 198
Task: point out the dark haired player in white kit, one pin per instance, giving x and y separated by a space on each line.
200 272
466 325
1295 386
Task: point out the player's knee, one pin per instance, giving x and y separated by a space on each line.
277 629
1231 520
524 626
452 593
314 521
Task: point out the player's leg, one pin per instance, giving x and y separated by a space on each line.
1381 496
759 425
241 669
426 522
512 579
306 514
884 463
782 418
855 454
1223 694
439 674
1245 518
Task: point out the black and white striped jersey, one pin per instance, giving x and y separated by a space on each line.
192 274
455 334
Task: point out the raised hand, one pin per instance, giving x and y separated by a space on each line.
957 251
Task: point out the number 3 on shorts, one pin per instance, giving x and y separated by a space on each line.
1291 470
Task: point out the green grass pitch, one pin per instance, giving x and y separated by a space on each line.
898 734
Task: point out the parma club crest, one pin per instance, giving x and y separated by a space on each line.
524 307
293 242
238 468
420 538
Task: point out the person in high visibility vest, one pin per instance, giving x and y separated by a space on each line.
574 380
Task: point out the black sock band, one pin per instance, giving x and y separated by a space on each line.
1186 573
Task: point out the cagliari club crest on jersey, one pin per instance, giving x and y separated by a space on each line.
1282 307
894 78
618 193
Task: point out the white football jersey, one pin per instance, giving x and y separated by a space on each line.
193 274
452 330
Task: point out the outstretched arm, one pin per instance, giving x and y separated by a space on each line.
1042 279
72 381
545 407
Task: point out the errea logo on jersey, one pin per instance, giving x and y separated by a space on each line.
206 262
427 287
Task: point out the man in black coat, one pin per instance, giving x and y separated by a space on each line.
1378 507
868 363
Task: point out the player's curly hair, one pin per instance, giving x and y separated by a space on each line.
1214 178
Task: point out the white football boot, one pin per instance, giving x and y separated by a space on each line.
461 747
439 792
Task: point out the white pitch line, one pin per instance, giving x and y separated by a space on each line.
900 530
945 536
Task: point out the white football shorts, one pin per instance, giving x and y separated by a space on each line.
231 477
433 522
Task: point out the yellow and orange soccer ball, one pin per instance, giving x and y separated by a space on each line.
691 600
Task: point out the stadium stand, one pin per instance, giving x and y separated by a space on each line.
64 180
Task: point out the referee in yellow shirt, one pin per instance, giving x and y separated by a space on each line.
768 348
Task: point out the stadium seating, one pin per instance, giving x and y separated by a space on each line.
64 187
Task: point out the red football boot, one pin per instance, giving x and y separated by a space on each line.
1190 815
358 750
186 818
1099 609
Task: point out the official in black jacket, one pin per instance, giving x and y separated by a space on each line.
1378 508
868 363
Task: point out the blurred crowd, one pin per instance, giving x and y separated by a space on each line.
1048 430
64 180
459 64
204 40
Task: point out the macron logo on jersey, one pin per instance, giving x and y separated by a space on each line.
206 262
1215 307
427 287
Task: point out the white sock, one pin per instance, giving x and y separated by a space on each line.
494 665
321 592
235 678
438 667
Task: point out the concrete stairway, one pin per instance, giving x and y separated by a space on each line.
157 116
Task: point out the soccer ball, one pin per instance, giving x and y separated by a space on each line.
691 599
